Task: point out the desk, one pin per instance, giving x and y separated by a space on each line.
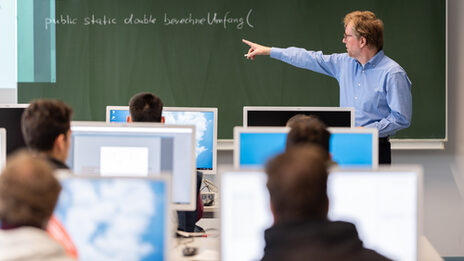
209 247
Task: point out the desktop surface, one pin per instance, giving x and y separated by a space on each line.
115 218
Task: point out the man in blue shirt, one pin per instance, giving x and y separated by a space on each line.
375 85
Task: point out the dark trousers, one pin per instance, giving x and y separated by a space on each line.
384 151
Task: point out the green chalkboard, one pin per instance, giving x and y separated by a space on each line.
190 53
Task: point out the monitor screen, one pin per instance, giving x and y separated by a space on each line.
118 114
354 196
137 150
256 148
10 119
354 147
349 147
245 214
278 116
383 204
115 218
204 119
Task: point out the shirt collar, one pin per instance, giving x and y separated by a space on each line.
375 60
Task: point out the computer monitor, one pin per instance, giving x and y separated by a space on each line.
254 146
245 214
384 204
117 113
2 148
10 119
204 119
349 147
278 116
116 218
355 147
138 149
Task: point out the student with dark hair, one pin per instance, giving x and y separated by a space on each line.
46 127
147 107
28 195
297 184
308 130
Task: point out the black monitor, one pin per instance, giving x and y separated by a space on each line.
10 119
278 116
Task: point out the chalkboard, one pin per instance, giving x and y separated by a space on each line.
190 53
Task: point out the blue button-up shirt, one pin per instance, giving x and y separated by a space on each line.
380 91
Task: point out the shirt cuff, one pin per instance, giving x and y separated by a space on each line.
276 53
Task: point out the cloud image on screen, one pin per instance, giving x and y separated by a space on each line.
203 122
114 219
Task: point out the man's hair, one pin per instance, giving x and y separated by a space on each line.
308 130
43 121
297 118
367 25
297 184
28 191
145 107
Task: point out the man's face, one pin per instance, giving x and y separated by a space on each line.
352 43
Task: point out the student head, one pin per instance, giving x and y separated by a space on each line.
297 184
46 127
28 191
145 107
363 26
308 130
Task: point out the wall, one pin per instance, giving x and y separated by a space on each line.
444 170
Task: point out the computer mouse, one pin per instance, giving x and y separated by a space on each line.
189 251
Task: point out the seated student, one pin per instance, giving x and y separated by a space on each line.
309 130
28 195
147 107
297 184
46 127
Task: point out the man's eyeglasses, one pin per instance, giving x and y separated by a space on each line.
345 36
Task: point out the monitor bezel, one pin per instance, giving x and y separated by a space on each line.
375 141
19 105
148 125
3 148
246 109
163 177
187 109
399 168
